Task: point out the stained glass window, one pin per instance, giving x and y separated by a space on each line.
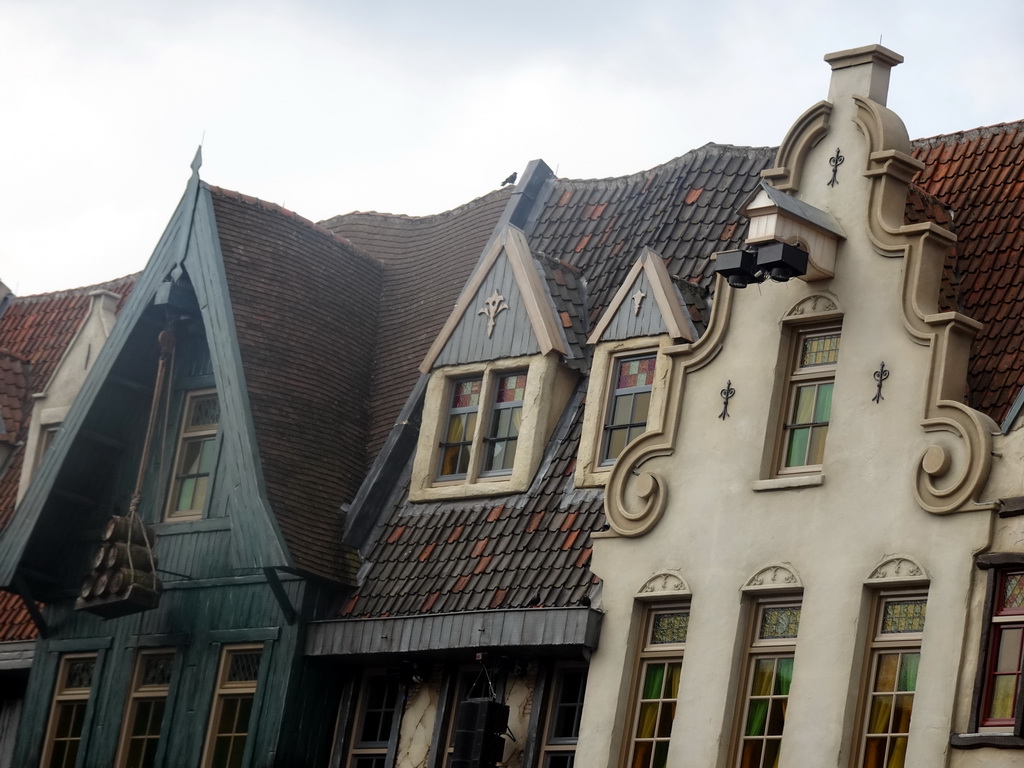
506 418
819 350
458 438
889 699
779 622
769 675
899 616
1006 652
657 687
670 627
629 404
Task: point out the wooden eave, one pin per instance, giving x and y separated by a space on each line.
666 297
539 305
522 628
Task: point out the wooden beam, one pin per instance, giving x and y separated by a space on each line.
280 595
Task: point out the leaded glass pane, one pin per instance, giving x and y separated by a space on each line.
511 389
903 616
820 350
670 627
244 667
205 412
467 393
779 622
79 674
1013 592
636 372
156 670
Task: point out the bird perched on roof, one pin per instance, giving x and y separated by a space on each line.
511 179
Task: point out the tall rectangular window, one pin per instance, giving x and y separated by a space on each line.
629 404
195 457
506 418
656 686
151 680
377 715
768 678
892 681
564 711
462 414
1006 649
232 706
808 406
67 714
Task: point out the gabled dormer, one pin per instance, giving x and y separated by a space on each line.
628 384
227 370
501 371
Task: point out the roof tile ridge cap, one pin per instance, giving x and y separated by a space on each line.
970 134
709 148
287 213
8 352
82 290
450 213
557 262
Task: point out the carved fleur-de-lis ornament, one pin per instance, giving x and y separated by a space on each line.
493 304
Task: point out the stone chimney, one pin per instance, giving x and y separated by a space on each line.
861 72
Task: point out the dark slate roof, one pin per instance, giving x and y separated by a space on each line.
34 333
979 175
533 549
305 305
426 261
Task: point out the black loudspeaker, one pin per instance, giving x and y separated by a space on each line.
479 725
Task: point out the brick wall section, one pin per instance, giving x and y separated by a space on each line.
427 260
305 306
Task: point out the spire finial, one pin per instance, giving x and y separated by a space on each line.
197 161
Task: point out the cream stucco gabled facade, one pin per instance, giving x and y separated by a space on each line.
903 484
51 405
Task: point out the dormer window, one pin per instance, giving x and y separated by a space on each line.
196 456
485 426
506 416
629 404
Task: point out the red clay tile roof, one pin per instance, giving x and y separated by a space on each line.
14 391
533 549
979 175
427 260
35 331
305 305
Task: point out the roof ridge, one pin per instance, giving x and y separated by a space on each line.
451 212
85 289
971 134
287 213
711 148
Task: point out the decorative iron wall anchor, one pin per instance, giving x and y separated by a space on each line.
835 162
880 375
727 393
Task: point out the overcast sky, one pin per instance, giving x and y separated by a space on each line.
416 107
